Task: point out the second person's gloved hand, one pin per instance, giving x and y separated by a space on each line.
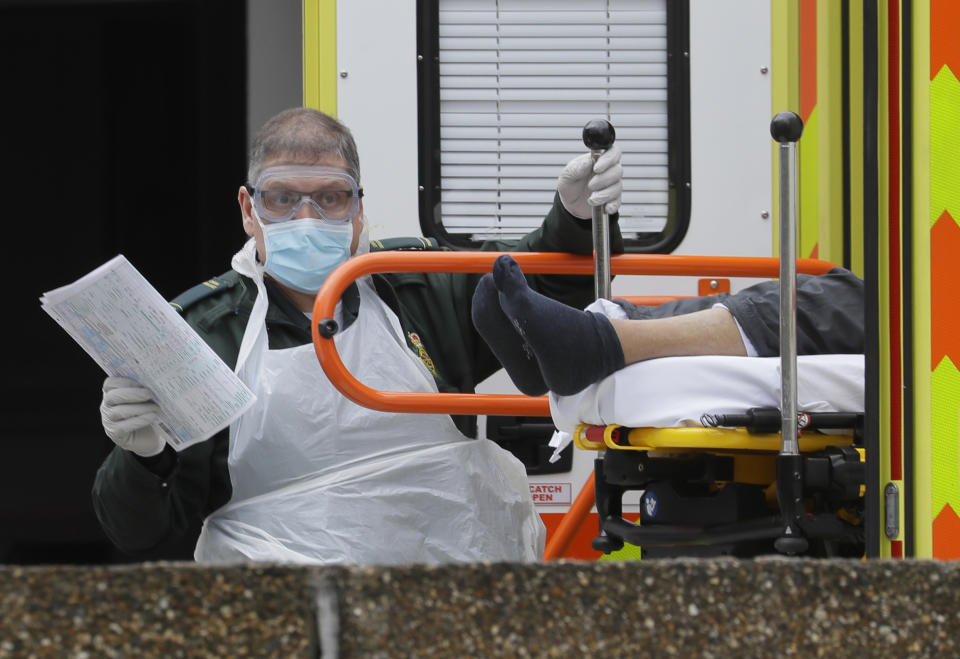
584 184
127 412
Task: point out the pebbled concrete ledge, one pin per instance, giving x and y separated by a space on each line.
682 607
159 610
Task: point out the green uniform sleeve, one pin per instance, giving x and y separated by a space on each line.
141 511
150 508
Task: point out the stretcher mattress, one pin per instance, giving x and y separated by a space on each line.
677 391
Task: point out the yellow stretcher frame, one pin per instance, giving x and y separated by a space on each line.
754 464
716 440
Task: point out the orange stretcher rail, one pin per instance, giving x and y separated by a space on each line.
563 535
481 262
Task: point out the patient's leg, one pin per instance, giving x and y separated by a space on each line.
577 348
706 332
497 330
574 348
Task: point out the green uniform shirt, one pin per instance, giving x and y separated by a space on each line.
157 505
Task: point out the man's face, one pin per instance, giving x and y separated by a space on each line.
294 184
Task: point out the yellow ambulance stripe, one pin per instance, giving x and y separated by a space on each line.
920 260
320 55
945 413
944 145
809 150
812 40
944 207
821 154
784 86
855 51
884 274
828 212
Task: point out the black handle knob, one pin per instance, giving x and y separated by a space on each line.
599 134
327 327
786 127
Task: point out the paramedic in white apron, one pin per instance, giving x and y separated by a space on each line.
317 478
306 475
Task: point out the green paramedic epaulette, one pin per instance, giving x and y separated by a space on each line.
414 243
193 295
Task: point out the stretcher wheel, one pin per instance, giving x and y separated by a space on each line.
792 545
606 544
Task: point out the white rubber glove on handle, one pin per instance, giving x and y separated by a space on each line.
583 183
127 412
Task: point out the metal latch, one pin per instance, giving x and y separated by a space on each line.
891 501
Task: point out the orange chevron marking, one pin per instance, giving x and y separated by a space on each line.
808 58
946 534
944 44
944 287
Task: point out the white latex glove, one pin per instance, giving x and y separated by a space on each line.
583 184
127 411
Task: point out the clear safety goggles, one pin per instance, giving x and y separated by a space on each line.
280 192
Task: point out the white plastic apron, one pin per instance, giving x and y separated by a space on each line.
319 479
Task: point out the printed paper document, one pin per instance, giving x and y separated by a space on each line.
124 323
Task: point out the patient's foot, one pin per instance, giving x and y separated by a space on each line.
574 348
508 347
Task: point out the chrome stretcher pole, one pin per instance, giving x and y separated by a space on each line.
598 136
786 129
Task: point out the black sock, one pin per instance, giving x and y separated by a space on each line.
574 348
508 347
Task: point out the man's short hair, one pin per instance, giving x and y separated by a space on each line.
304 136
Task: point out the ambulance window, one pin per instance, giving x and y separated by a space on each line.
505 88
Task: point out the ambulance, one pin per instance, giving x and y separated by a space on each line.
464 127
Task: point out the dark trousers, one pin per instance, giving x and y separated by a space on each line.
829 313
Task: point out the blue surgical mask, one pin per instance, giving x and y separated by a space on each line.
302 253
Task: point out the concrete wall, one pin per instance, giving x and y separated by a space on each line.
708 608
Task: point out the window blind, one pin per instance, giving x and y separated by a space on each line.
518 81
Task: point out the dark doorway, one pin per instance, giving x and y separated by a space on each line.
123 130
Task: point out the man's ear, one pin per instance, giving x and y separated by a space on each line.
246 210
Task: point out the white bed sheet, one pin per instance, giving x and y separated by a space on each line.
677 391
